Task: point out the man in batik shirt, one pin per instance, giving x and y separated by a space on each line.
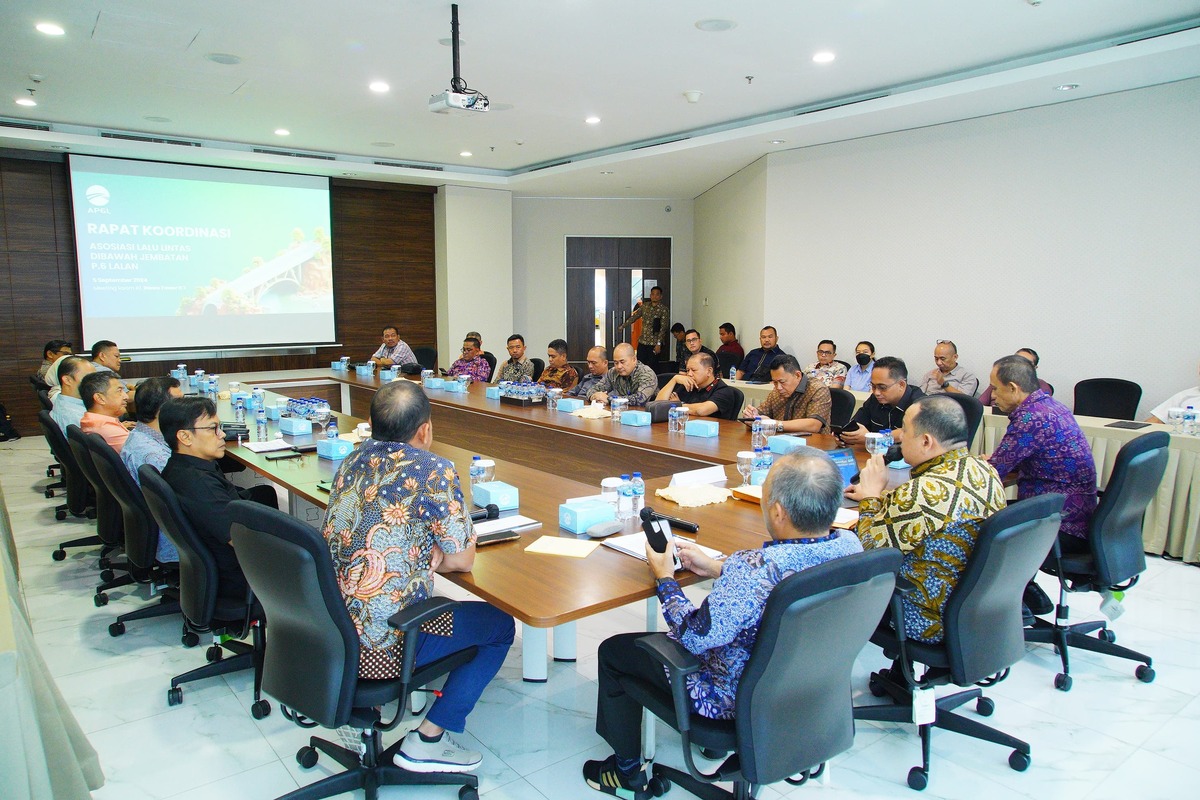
629 378
656 321
472 362
518 368
396 515
558 374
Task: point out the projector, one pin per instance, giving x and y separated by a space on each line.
457 101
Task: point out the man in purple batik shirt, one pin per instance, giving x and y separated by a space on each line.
472 362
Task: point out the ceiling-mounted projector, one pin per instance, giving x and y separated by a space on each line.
458 97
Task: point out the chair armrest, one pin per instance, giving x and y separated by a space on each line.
414 616
679 663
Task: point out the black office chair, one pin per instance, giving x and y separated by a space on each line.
426 357
845 364
79 503
983 632
794 708
725 361
311 659
1115 398
204 610
664 378
539 366
141 536
110 523
741 401
973 409
1116 558
841 407
491 359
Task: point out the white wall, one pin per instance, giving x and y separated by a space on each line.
473 267
540 228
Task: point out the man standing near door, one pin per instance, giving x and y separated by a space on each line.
656 319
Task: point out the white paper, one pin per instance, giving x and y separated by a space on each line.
267 446
559 546
695 477
634 544
846 516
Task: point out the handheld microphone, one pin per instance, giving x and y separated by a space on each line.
490 511
648 514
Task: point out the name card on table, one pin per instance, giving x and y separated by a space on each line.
699 477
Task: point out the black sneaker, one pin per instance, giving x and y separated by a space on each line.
603 776
1038 601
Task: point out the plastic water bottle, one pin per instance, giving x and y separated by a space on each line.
331 432
625 500
762 458
239 410
757 439
1190 421
888 439
258 397
476 469
260 423
639 494
733 373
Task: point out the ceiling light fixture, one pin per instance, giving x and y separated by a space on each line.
157 119
228 59
26 101
592 120
693 95
282 132
606 172
466 154
715 25
778 141
823 57
1066 87
379 86
50 29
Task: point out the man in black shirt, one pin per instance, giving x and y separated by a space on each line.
704 394
192 430
891 395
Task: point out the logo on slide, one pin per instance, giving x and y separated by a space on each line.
97 195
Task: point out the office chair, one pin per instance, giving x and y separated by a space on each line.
845 364
973 409
491 359
204 610
311 660
983 633
110 523
841 407
725 361
1116 558
79 502
741 402
141 536
539 366
793 708
426 357
1115 398
664 378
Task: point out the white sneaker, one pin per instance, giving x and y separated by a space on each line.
445 755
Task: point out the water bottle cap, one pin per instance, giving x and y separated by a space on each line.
625 477
637 474
476 458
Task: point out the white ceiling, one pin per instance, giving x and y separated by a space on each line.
548 64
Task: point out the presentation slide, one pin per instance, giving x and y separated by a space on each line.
173 256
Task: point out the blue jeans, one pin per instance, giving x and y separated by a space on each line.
478 624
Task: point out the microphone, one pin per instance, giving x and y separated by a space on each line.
649 514
490 511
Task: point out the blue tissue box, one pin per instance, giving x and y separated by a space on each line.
702 427
453 387
338 366
758 477
435 383
387 374
193 380
638 419
506 497
245 399
578 517
365 370
334 448
569 404
782 443
178 374
273 412
492 393
294 426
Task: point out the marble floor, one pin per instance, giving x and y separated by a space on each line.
1110 737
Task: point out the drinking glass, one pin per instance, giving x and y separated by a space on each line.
745 465
321 414
876 444
1175 417
683 418
618 405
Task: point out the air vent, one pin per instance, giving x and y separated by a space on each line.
131 137
29 126
548 166
659 144
400 165
291 154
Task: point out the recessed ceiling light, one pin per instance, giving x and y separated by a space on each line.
26 101
592 120
383 144
1066 87
606 172
282 132
157 119
778 141
823 57
378 86
50 29
465 154
715 25
228 59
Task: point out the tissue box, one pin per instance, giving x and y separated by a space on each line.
758 477
193 380
365 370
179 374
334 448
273 412
492 393
702 427
782 443
569 404
294 426
454 387
505 497
245 399
387 374
338 366
637 419
435 383
578 517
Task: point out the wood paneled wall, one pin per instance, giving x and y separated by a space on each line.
382 259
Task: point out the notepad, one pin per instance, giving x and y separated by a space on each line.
267 446
560 546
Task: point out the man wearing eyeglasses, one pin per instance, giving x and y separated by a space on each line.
948 376
825 369
693 345
472 362
597 368
891 395
190 427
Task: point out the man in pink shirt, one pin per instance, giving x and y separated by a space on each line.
104 399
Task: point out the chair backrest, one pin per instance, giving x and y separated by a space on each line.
794 700
737 407
845 364
141 530
491 359
198 575
77 485
973 409
110 524
1116 528
841 407
664 378
539 366
984 633
311 660
1115 398
725 361
426 356
43 396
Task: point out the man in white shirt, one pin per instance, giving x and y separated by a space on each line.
68 407
1188 397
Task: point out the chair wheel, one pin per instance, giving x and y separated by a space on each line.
107 575
468 793
190 639
101 599
1105 635
1144 673
60 515
174 695
658 785
49 472
116 629
1019 761
214 653
1062 682
985 706
307 757
59 555
918 779
49 493
816 773
260 709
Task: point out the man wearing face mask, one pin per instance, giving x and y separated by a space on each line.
858 377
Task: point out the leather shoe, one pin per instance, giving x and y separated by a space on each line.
1038 601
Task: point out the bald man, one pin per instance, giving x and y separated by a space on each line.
597 368
629 378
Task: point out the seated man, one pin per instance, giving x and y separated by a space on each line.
947 375
1188 397
825 369
104 400
1024 352
396 516
54 350
891 395
517 368
691 346
678 331
701 391
472 362
106 356
729 342
935 517
628 378
798 404
858 378
597 368
394 351
558 374
190 427
800 498
146 445
68 406
757 364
